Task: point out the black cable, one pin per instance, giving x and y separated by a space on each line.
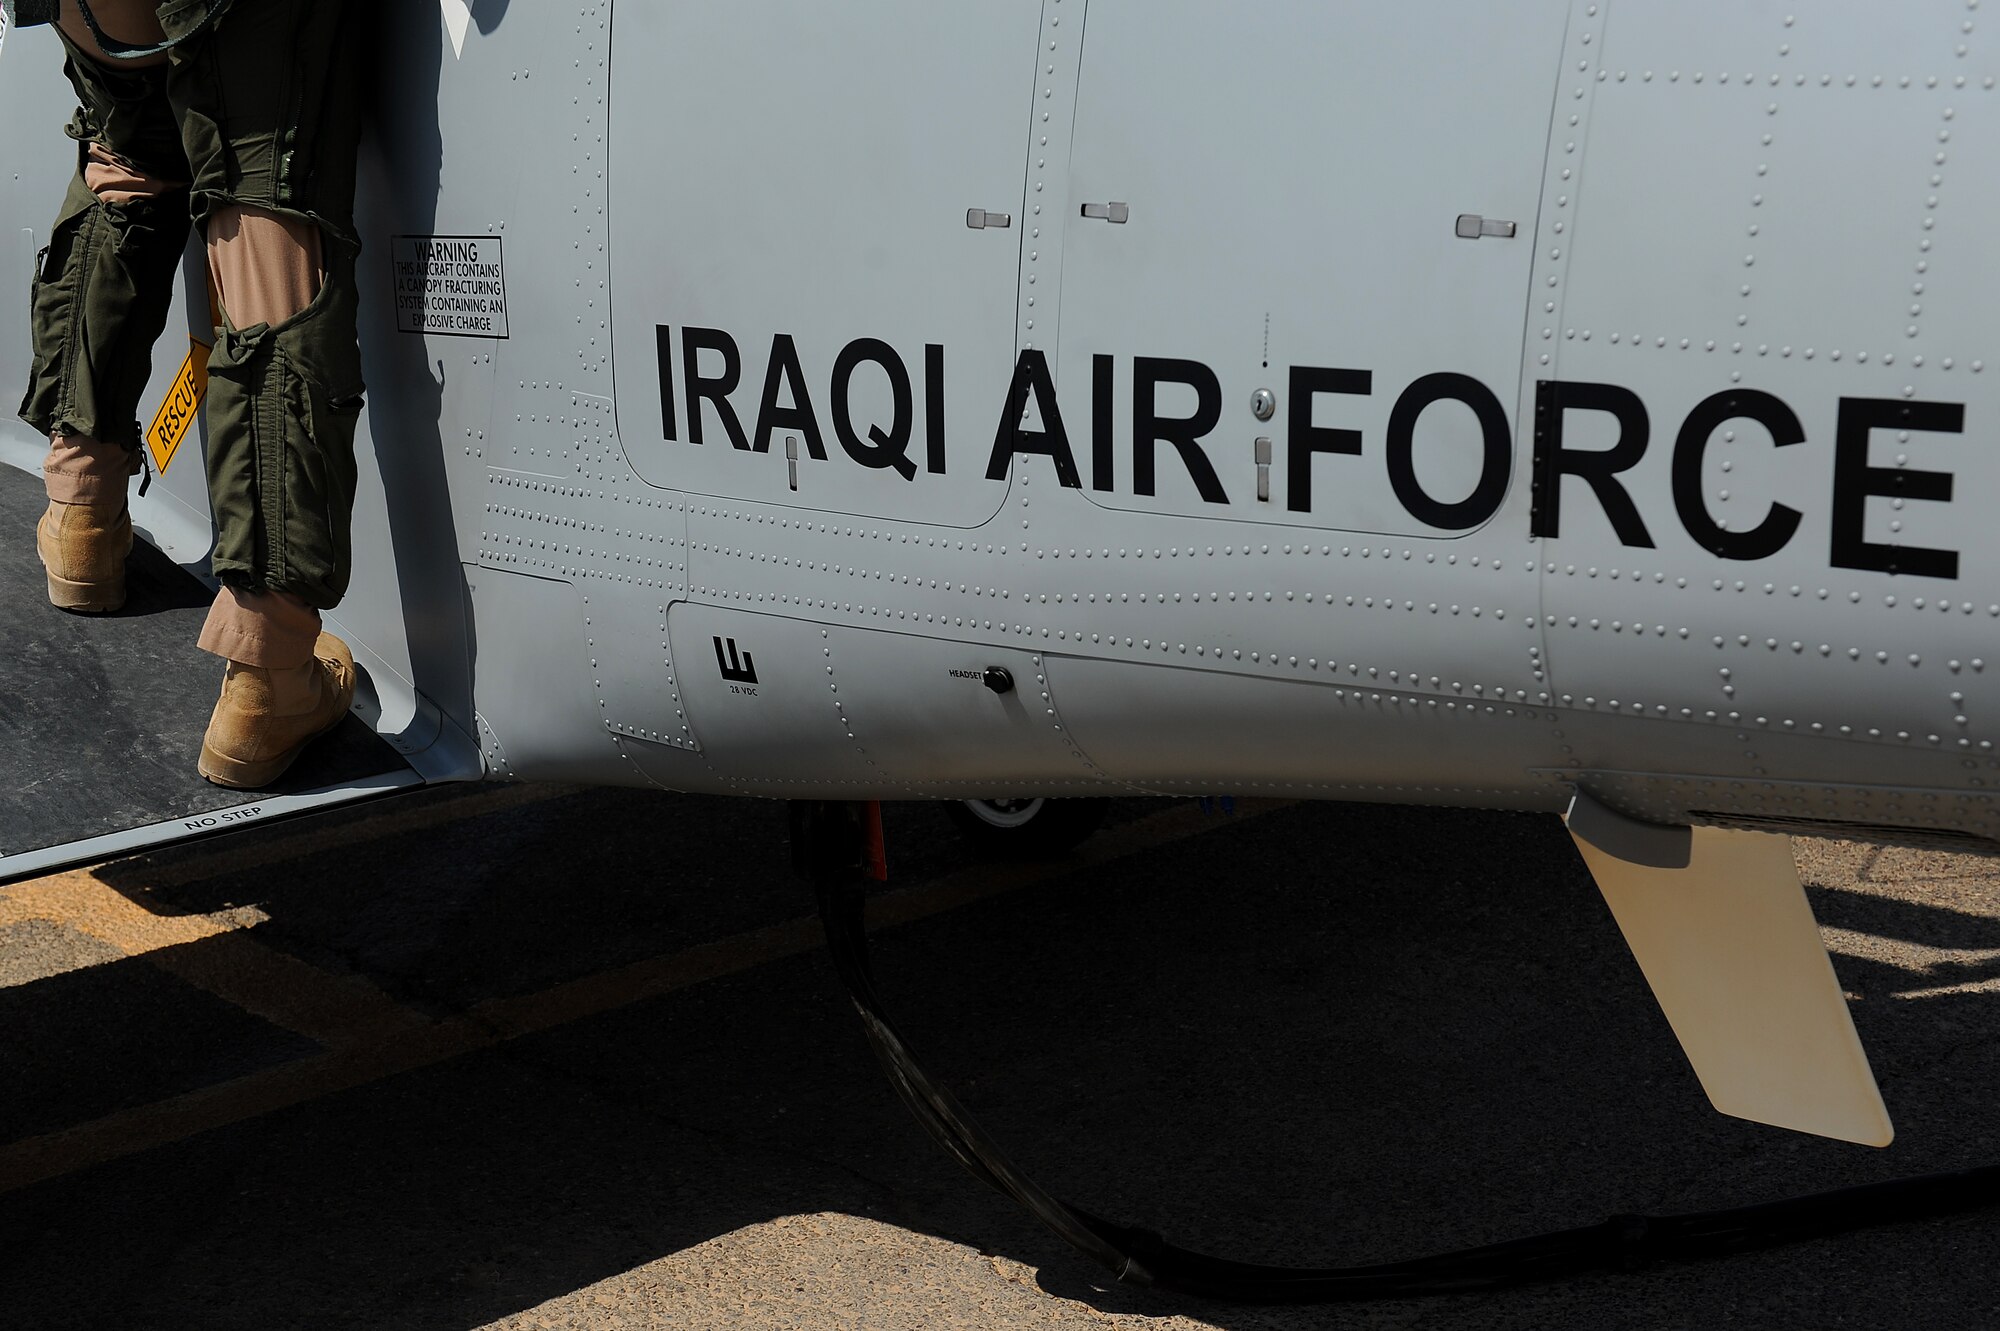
1139 1256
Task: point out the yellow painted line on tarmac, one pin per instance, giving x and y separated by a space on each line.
214 953
404 1043
331 1009
608 990
82 902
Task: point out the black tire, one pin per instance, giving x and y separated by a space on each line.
1028 829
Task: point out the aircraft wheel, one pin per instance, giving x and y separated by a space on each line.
1026 829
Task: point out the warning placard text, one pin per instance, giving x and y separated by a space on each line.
455 285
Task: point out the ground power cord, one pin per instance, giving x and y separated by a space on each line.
839 848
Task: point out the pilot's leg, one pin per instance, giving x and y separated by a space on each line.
102 291
268 103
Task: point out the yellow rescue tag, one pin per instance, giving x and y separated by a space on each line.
177 414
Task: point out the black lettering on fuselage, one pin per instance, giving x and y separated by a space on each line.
1599 468
934 408
1031 375
429 252
1496 452
713 390
1778 527
710 370
886 451
1303 438
1102 409
1855 482
663 341
1185 433
784 372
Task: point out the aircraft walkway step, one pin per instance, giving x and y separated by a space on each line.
101 717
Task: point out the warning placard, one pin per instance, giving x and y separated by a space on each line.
455 285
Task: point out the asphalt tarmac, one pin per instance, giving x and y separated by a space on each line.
530 1057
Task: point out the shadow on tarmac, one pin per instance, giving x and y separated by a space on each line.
1332 1035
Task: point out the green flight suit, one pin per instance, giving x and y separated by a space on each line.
257 105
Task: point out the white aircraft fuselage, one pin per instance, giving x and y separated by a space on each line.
1433 403
1453 403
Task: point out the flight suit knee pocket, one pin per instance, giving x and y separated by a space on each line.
319 490
54 292
282 471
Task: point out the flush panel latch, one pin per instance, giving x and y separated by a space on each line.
1471 226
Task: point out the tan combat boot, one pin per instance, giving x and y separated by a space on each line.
83 548
267 715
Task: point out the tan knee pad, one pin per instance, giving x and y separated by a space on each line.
267 266
117 181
